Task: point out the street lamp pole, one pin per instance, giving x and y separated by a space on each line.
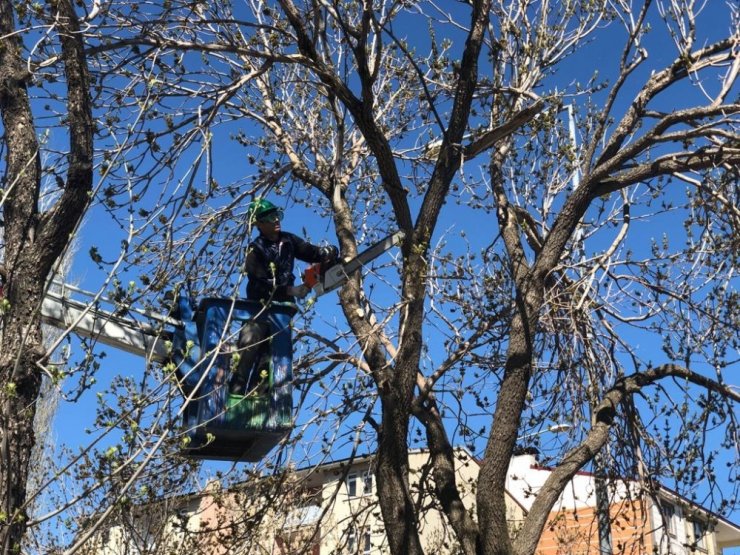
601 491
602 506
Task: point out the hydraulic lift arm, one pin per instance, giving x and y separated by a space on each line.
127 334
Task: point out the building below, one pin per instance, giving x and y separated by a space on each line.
640 522
333 509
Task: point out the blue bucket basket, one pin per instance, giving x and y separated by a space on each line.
225 426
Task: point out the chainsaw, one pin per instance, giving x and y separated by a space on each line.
322 278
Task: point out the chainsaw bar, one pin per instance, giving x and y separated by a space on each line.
338 274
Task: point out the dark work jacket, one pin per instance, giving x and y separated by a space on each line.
270 265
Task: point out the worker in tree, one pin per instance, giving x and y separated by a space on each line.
270 261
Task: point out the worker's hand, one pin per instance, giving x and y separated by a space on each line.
330 253
299 292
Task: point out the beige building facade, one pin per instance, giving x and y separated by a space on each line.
333 510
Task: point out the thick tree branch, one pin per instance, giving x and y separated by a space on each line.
362 113
625 70
451 150
58 224
514 122
604 413
22 167
443 463
681 68
656 135
701 159
508 216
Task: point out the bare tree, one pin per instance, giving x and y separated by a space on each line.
483 332
33 241
557 321
376 125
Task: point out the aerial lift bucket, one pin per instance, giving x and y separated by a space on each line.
221 425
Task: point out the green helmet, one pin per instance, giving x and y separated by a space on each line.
259 208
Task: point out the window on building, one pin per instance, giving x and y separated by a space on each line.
700 535
359 541
352 485
366 543
670 519
366 480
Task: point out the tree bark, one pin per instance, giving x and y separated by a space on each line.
20 327
33 243
399 514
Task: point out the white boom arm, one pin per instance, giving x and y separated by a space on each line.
122 333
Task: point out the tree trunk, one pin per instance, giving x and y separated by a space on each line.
21 336
399 514
21 384
32 244
491 497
